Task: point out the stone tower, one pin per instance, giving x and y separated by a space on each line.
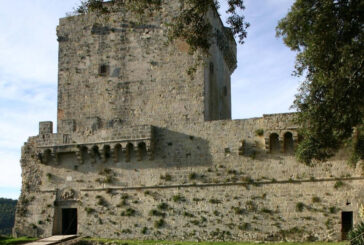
145 151
121 71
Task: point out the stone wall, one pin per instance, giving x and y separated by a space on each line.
202 183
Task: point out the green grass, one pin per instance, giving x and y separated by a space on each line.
133 242
20 240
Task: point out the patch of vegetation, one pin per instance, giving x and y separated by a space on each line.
101 201
89 210
316 199
300 206
259 132
159 223
195 199
126 231
178 198
356 234
266 211
49 176
238 210
166 177
339 184
214 201
215 233
144 230
193 176
251 206
244 226
163 206
10 241
232 171
333 210
128 212
7 214
155 212
187 214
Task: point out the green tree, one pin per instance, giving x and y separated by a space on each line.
328 36
7 215
189 24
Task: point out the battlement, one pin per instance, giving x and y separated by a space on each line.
45 127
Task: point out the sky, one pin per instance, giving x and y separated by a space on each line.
262 83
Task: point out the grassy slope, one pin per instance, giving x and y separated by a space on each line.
20 240
127 242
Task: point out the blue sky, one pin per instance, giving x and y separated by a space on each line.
261 84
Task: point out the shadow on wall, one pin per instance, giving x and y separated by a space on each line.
170 149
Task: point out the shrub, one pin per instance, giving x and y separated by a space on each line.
126 231
187 214
238 210
244 227
316 199
356 235
163 206
266 211
128 212
338 184
124 196
195 199
193 176
101 201
333 210
155 212
122 203
89 210
159 223
214 201
178 198
232 171
166 177
300 206
144 230
251 206
259 132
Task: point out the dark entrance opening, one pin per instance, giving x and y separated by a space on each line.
346 224
69 221
288 143
274 143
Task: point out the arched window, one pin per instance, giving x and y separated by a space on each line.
106 152
129 152
142 151
95 154
288 142
274 143
117 153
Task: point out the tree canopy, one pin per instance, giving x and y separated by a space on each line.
328 36
190 24
7 215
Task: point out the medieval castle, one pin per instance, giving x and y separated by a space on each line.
143 151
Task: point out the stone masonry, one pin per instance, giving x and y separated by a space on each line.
145 151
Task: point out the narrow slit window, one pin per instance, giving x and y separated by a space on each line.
103 70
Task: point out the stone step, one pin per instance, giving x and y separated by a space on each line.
59 239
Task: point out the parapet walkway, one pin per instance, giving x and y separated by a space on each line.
61 239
